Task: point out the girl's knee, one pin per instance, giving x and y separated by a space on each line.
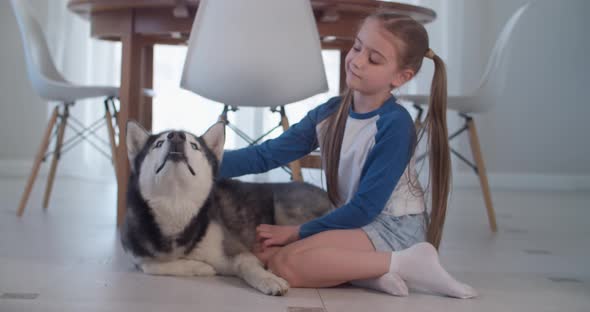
283 265
265 255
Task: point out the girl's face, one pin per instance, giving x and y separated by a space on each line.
371 64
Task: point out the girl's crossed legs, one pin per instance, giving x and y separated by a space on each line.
335 257
327 259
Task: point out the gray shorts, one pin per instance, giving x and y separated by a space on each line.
390 233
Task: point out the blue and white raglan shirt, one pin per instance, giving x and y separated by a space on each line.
375 169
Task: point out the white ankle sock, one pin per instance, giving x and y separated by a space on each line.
389 282
419 266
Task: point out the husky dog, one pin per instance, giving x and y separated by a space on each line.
182 221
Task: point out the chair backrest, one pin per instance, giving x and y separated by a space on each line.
265 66
493 81
40 66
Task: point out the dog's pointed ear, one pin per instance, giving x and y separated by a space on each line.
136 137
215 139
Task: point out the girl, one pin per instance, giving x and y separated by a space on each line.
375 238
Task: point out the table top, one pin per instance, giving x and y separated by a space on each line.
419 13
337 19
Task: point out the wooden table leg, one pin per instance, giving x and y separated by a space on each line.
129 95
147 82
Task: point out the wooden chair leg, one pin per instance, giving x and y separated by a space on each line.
37 163
56 156
111 131
294 165
481 172
417 125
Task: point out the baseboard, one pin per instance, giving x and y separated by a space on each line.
22 169
533 182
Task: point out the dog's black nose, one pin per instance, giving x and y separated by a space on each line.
176 137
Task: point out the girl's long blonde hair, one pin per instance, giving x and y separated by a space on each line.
411 40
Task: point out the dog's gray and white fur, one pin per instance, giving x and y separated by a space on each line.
182 221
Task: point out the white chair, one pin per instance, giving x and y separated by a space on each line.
50 85
481 100
252 64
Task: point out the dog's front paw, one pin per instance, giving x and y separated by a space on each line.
151 268
203 269
272 285
178 268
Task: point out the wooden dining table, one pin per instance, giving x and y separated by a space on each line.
140 24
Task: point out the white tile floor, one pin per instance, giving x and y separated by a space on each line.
69 259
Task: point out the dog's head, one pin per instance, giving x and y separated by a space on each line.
174 163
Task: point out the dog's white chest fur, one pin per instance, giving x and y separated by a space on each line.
173 214
174 196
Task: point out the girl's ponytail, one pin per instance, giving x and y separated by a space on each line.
440 162
332 144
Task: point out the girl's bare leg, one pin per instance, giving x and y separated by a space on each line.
335 257
329 258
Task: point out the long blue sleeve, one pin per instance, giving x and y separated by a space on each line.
381 172
298 141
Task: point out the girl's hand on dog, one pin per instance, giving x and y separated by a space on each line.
276 235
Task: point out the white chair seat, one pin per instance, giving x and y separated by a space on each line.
69 92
